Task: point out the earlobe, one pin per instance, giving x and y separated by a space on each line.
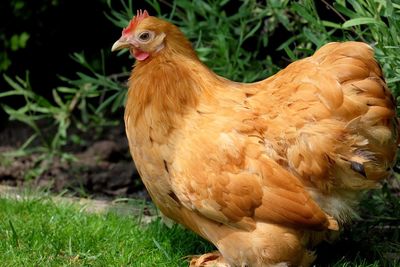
161 37
160 47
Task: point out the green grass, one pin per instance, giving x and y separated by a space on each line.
37 231
40 232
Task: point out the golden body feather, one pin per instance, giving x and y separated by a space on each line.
264 170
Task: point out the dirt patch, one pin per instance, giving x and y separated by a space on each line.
102 168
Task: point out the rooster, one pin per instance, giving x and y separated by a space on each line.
265 170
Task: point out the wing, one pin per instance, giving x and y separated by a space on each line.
228 178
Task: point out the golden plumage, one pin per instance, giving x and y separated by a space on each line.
264 170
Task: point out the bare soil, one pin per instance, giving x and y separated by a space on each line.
102 167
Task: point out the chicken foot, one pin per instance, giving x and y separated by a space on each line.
212 259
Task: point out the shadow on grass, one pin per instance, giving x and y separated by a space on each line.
372 240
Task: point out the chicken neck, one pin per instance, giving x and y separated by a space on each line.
165 88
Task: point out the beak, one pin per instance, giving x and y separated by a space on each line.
120 44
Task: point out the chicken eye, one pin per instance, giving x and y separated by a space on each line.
144 36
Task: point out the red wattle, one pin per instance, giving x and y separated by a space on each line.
140 55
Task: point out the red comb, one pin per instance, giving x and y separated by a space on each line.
140 15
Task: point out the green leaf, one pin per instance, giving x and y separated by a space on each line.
331 24
251 32
357 5
389 8
10 93
303 12
58 99
106 103
67 90
290 53
5 62
119 102
361 21
344 10
19 5
14 42
318 41
19 41
21 116
13 84
287 42
23 39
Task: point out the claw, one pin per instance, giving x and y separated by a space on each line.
213 259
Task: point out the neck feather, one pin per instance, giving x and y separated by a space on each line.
164 88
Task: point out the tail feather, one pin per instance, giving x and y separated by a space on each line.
369 106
